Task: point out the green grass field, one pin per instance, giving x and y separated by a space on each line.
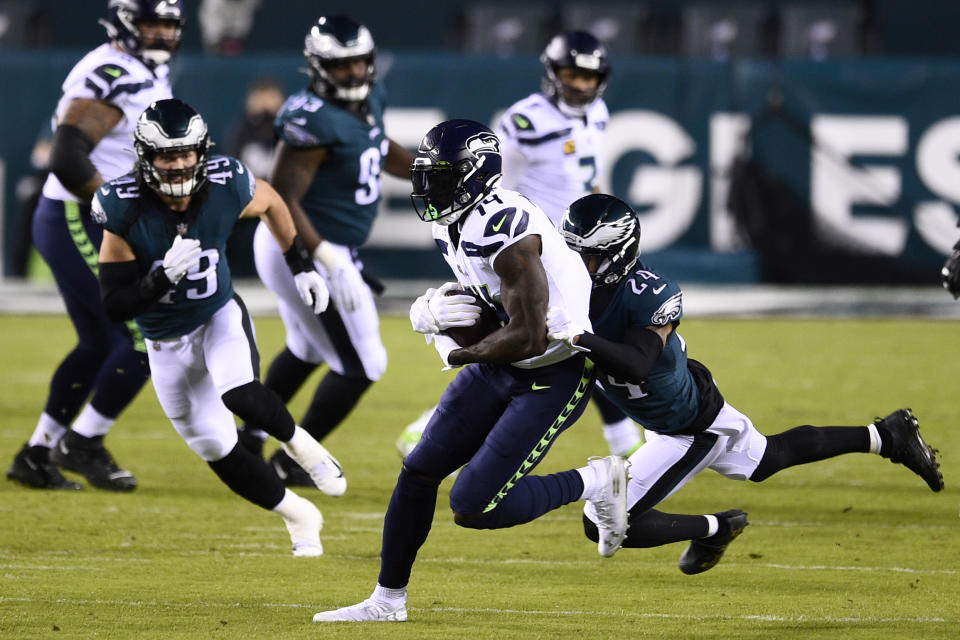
854 547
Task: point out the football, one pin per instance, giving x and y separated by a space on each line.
487 323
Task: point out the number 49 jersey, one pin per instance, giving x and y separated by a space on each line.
499 221
149 227
342 199
679 395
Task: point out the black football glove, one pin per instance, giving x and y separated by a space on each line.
950 273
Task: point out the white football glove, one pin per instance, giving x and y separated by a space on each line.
183 255
444 345
435 311
313 290
347 288
559 327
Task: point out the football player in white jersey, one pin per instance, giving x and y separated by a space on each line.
519 391
552 145
103 95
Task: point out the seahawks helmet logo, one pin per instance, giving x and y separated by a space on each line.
668 311
483 142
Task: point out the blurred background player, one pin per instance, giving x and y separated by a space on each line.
251 139
163 262
501 414
552 143
644 368
331 153
103 96
950 273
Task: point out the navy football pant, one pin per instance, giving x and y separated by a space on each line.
104 360
500 421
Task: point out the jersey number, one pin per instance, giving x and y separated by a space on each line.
369 178
634 391
204 274
591 163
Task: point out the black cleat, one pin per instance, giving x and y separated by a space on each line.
704 553
32 468
89 458
289 472
900 441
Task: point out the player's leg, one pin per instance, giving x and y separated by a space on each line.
74 377
231 356
191 401
895 437
470 405
622 434
496 489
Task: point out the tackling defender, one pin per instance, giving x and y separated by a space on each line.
644 369
163 263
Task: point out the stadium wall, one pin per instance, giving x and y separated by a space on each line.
864 152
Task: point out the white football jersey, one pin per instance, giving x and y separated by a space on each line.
497 222
549 157
124 81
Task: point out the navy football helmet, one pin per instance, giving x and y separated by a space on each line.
124 18
165 126
574 50
605 231
335 41
458 163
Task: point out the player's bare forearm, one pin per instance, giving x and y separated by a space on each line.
398 161
524 295
270 207
293 173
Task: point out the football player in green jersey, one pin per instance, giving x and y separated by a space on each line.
644 369
331 152
162 263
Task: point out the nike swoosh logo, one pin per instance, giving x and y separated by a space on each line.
659 289
113 71
539 387
497 226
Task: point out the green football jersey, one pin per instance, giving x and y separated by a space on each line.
342 200
668 400
149 227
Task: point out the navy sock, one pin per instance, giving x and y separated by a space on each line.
71 384
119 380
405 527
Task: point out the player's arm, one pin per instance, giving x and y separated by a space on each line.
83 125
524 294
293 172
398 161
271 208
124 292
631 359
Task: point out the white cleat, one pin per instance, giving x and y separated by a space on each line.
369 610
610 503
304 522
323 468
